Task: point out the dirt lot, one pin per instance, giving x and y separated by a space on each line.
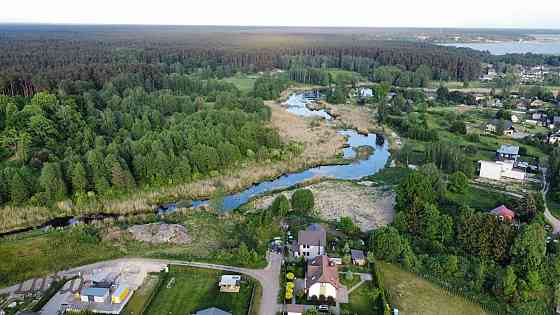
369 207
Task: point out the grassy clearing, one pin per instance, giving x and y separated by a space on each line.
480 199
34 256
390 176
139 301
195 289
244 84
414 295
360 302
349 283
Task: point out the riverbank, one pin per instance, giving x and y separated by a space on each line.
321 145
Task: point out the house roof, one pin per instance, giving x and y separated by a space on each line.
508 149
504 212
314 235
357 254
507 123
321 270
212 311
295 308
230 280
94 291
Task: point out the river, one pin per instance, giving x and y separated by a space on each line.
355 170
358 168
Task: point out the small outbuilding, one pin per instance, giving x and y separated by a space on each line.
93 294
358 257
230 283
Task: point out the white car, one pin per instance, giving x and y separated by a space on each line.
323 308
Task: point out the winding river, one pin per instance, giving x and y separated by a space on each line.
358 168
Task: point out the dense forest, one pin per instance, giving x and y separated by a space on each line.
47 57
77 141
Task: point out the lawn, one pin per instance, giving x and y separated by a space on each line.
194 289
360 302
414 295
481 199
141 298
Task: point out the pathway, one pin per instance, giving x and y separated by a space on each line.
552 220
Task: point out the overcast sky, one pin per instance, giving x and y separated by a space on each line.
382 13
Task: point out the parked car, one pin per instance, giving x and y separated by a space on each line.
323 308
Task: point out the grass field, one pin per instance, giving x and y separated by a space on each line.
244 84
481 199
360 302
413 295
138 303
195 289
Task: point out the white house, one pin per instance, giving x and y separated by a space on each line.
311 242
365 92
321 279
497 170
514 119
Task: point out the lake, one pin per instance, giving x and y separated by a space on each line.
547 48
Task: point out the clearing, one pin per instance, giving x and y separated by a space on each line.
369 207
414 295
196 289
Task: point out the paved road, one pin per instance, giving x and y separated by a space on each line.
269 277
552 220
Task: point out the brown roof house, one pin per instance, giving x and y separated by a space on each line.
311 242
321 279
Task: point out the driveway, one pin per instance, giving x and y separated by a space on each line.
267 277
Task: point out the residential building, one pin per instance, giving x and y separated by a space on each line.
515 119
321 278
503 213
212 311
358 257
365 92
311 242
498 170
93 294
230 283
493 125
507 152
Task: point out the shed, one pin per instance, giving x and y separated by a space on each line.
93 294
230 283
358 257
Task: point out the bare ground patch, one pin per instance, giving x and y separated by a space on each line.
369 207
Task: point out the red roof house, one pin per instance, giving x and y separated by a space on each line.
503 212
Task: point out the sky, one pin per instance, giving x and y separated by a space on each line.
365 13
